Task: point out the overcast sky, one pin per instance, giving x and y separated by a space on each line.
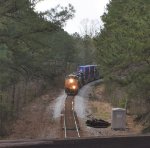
90 10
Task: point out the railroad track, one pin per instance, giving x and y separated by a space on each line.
70 120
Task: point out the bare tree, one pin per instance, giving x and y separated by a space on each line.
89 27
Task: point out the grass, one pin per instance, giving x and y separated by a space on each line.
101 110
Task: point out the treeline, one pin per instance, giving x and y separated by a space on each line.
34 51
123 51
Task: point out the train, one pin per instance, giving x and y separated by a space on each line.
83 75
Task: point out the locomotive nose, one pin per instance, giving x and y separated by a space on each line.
71 80
74 87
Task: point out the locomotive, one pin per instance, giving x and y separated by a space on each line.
83 75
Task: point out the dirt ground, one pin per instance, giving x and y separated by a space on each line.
36 120
100 109
40 120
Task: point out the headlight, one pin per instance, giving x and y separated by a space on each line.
74 87
71 80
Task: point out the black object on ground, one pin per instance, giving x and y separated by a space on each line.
97 123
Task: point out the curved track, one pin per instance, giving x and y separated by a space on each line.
70 120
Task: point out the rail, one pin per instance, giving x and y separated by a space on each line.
71 125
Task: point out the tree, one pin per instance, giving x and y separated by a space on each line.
89 28
59 15
25 51
123 45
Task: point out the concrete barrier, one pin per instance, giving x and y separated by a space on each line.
142 141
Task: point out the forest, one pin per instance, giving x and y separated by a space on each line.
35 51
123 51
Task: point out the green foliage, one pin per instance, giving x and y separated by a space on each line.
33 48
85 49
123 46
28 38
59 15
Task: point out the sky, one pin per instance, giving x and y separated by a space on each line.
87 12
